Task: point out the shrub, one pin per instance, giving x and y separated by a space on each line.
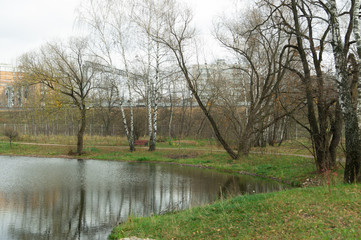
11 133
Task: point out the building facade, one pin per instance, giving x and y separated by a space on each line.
10 95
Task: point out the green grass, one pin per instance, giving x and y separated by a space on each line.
302 146
303 213
31 150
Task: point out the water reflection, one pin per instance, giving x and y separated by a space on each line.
77 199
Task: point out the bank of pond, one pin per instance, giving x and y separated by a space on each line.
55 198
299 213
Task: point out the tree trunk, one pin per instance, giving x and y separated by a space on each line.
317 103
170 114
81 131
153 138
131 135
353 153
244 145
150 120
336 129
127 132
211 120
357 34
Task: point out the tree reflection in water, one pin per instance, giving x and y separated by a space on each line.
78 199
236 185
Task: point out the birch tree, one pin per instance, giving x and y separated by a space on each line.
110 26
176 36
340 46
313 23
148 17
357 34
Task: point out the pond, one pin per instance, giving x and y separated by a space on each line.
51 198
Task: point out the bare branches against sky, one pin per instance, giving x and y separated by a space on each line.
25 25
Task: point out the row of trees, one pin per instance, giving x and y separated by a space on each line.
289 59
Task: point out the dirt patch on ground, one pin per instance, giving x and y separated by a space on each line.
182 156
187 141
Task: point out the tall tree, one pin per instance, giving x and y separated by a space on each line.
176 35
65 69
110 25
341 51
298 18
147 16
262 62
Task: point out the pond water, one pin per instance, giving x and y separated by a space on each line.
54 198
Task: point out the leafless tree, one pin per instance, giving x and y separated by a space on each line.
148 18
11 133
110 25
257 76
65 69
105 97
308 28
176 35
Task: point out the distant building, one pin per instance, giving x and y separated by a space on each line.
220 77
10 96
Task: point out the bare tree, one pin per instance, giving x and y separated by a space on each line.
176 35
66 69
257 76
149 19
298 19
11 133
110 24
106 97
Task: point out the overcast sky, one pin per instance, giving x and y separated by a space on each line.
26 24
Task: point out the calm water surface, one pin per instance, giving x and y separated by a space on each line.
75 199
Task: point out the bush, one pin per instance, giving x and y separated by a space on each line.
11 133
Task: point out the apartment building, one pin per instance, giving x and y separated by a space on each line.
10 95
220 77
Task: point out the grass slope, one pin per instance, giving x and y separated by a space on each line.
303 213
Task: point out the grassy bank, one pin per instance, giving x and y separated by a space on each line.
303 213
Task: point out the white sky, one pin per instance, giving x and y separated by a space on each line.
27 24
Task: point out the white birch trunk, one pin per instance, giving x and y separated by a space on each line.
337 48
131 132
155 109
155 117
131 135
352 166
149 94
125 122
149 108
171 112
356 31
157 86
